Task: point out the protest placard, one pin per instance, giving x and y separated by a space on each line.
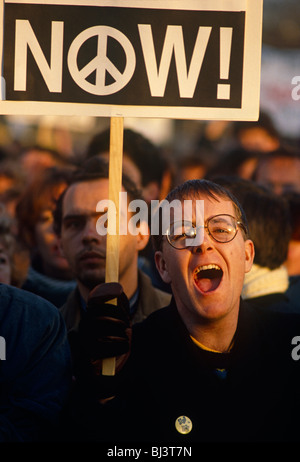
133 58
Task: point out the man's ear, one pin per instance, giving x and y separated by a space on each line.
143 236
162 267
249 254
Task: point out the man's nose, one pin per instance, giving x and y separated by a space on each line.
90 230
204 243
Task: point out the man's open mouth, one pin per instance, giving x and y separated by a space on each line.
208 277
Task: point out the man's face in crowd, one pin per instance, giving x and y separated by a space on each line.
5 265
280 175
83 247
54 263
258 139
198 295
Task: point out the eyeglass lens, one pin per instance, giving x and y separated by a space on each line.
222 228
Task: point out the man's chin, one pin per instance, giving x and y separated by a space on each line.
91 283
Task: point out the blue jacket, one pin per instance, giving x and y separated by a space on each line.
35 366
55 291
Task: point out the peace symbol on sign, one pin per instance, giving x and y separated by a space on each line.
101 64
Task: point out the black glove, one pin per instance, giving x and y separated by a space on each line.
104 332
105 329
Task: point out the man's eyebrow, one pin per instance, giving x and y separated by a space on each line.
81 214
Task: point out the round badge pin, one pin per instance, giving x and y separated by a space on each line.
183 425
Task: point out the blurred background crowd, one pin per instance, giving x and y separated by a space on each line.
38 154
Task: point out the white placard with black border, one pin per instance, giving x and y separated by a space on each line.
198 59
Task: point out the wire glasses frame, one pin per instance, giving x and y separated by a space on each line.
222 228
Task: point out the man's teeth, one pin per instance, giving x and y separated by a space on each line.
207 267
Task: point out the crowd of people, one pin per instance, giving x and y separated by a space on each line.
204 313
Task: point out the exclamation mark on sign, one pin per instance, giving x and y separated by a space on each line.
225 52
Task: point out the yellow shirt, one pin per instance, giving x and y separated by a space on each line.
203 347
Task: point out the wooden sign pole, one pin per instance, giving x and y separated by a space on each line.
115 185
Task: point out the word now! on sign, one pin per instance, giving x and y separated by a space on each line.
157 75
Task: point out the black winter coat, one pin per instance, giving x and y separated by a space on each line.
250 394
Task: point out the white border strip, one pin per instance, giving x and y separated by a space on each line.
99 110
252 55
207 5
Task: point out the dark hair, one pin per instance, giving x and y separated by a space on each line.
91 170
143 153
268 219
232 161
18 256
195 188
40 191
265 122
293 199
283 151
57 156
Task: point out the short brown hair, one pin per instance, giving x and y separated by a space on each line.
192 189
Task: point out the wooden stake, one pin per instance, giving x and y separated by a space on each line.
113 241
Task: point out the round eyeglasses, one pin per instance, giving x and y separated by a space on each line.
183 234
